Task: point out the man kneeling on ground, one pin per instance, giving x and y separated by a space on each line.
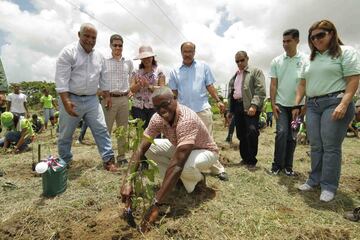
187 151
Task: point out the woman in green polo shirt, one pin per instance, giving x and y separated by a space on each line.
48 104
329 82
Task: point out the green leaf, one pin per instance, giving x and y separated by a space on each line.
138 187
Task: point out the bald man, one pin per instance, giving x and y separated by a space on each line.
79 73
187 151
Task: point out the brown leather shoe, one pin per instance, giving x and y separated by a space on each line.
110 166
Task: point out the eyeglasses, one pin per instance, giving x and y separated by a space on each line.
162 105
116 45
318 36
240 60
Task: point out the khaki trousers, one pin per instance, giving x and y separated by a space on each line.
206 117
118 112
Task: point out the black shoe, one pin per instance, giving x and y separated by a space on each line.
251 167
243 163
289 172
223 176
275 170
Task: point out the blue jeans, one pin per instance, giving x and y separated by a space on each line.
13 137
89 109
326 137
284 142
84 127
48 112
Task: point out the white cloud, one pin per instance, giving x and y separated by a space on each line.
34 39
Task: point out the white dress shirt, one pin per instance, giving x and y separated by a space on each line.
80 72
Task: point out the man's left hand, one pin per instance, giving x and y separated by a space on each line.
252 110
108 103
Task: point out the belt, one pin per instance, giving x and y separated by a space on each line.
81 95
238 100
119 94
326 95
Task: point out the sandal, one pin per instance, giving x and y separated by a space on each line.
353 215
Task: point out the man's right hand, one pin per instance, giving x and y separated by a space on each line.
229 116
276 111
70 108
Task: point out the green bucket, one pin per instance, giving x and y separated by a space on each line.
54 182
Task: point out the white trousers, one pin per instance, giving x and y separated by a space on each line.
200 160
206 117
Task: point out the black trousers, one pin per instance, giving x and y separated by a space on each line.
144 114
247 131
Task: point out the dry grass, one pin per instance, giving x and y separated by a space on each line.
252 205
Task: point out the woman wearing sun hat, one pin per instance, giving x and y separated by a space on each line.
143 83
19 132
329 82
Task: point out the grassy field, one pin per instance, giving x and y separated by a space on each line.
252 205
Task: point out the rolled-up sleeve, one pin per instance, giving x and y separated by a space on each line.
172 80
63 71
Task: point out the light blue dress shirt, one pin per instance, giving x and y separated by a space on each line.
191 82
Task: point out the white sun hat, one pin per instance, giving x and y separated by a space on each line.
145 52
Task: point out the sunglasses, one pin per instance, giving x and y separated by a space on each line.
240 60
117 45
162 105
318 36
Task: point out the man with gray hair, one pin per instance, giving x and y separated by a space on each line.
79 73
185 153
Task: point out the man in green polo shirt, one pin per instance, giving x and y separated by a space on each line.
285 70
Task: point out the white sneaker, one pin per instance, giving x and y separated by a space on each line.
326 196
305 187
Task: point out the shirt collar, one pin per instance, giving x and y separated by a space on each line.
295 56
177 116
322 54
120 60
82 49
192 64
